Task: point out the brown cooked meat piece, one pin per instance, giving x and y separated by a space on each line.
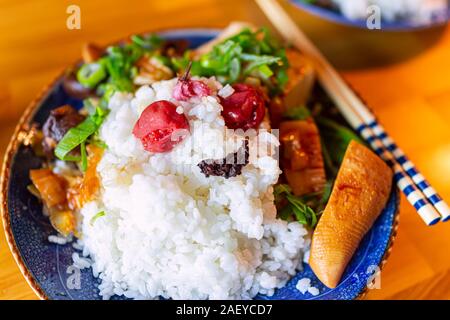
58 123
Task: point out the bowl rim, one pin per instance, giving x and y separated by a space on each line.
339 18
23 126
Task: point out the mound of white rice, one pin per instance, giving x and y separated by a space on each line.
168 230
418 11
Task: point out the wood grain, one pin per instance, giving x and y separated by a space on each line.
405 77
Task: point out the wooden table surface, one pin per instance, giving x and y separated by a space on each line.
404 77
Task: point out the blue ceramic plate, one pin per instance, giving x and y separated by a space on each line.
440 18
47 266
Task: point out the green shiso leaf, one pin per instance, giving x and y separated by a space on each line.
83 156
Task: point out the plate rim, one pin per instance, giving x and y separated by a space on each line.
23 126
13 146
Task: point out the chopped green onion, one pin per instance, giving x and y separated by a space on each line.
242 55
265 71
90 74
235 69
78 135
98 215
83 156
74 137
257 61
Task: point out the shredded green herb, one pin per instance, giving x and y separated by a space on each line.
293 206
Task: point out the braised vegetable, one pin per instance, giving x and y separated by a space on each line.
360 192
302 156
52 188
63 221
301 79
85 190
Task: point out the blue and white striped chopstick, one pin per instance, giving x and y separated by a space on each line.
418 180
364 122
418 191
366 125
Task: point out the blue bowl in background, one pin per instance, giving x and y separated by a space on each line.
330 14
47 266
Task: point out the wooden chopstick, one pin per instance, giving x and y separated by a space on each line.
418 191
